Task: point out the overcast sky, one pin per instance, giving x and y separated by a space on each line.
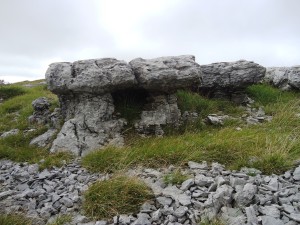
35 33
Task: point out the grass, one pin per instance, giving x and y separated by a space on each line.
14 113
212 222
194 102
118 195
176 177
14 219
16 110
62 220
270 147
10 91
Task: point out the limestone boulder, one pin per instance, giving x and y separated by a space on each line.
97 76
285 78
167 73
236 75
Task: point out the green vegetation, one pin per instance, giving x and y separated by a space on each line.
14 113
10 91
194 102
118 195
62 220
212 222
271 147
176 177
14 219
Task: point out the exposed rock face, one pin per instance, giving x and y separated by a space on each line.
85 89
89 124
229 79
285 78
163 110
167 73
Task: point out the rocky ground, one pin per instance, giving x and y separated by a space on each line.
236 197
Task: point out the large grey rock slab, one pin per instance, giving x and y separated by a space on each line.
285 78
90 125
239 74
90 76
44 139
167 73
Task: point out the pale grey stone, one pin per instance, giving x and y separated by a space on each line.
167 73
296 174
195 165
164 201
268 220
187 184
245 197
9 133
90 76
44 139
285 78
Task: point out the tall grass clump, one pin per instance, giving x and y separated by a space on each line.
14 219
9 91
118 195
194 102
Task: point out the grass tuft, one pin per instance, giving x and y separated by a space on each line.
14 219
194 102
62 220
176 177
119 195
10 91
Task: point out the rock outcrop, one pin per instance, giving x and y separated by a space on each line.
86 89
285 78
229 79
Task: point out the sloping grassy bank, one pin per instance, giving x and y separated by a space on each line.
271 147
14 113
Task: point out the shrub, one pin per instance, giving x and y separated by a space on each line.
119 195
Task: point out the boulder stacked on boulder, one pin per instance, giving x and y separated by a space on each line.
86 89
